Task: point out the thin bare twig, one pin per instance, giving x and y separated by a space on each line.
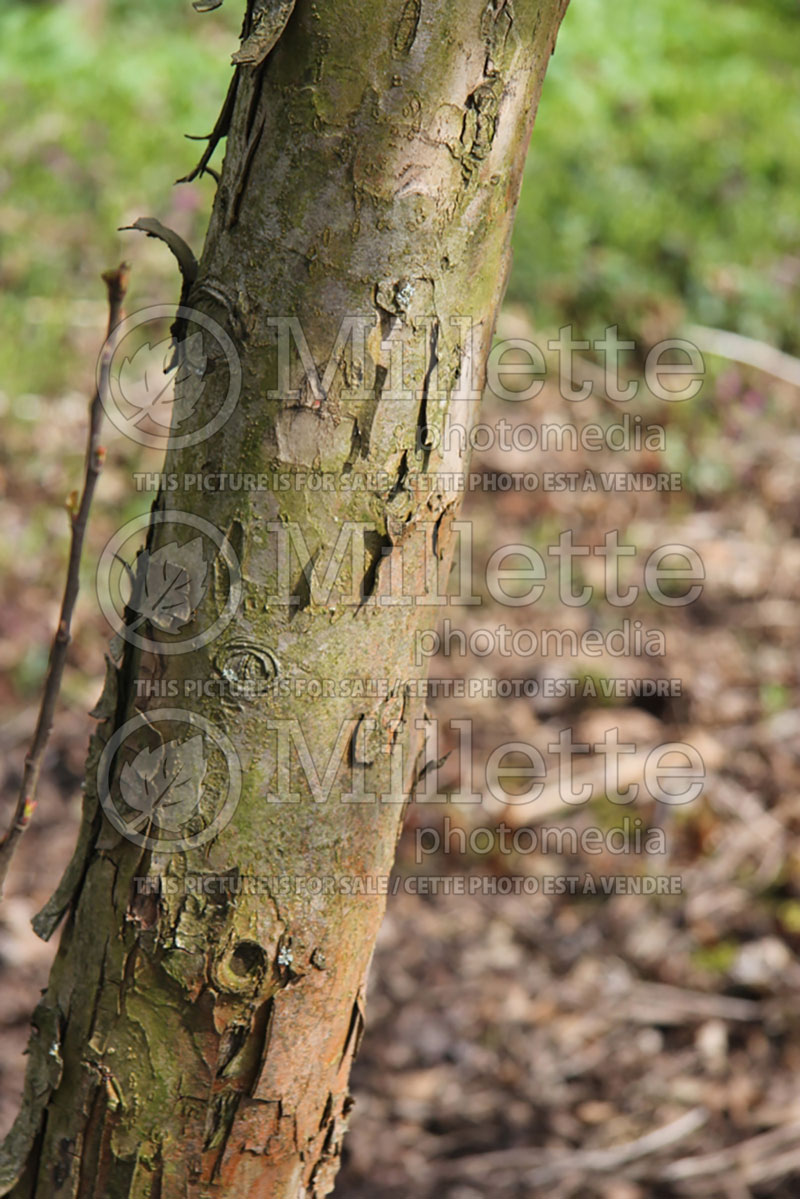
541 1166
658 1003
608 1160
759 1159
747 351
116 282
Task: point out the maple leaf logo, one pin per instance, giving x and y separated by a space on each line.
164 387
163 784
168 585
189 377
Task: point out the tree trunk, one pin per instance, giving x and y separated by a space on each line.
205 1005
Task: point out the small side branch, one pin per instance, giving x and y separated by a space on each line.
216 135
116 282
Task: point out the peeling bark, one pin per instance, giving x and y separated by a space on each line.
198 1043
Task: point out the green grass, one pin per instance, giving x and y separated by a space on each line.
665 169
92 116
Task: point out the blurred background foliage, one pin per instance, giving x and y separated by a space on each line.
95 99
665 169
663 178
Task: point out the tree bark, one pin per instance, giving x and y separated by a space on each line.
196 1038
